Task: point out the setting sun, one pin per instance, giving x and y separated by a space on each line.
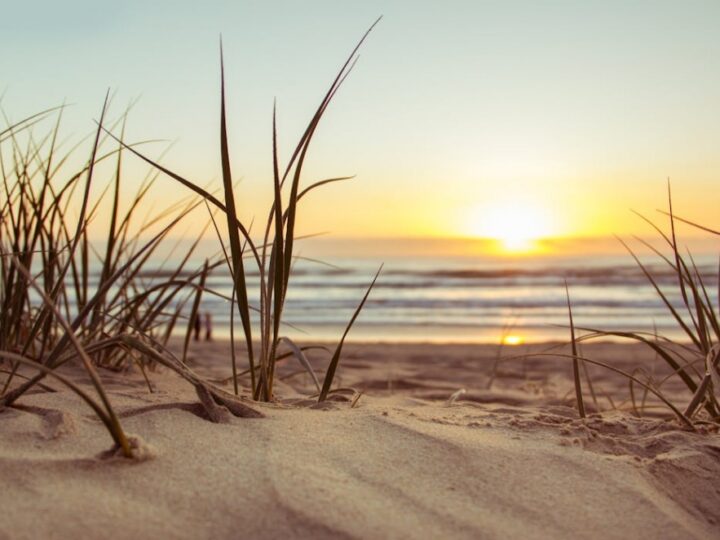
515 225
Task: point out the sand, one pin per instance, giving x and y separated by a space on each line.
509 461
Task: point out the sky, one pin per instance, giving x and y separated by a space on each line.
511 119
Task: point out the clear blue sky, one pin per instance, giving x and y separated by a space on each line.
454 108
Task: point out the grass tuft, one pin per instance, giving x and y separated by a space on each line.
696 315
274 256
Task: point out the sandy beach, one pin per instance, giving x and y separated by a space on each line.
466 253
503 460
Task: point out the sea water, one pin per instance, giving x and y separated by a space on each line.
466 299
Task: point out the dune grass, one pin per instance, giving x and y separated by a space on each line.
53 311
274 255
33 225
695 360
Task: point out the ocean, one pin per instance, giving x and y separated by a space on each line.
470 299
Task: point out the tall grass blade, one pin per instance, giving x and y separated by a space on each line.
300 355
115 428
236 251
332 367
575 364
193 321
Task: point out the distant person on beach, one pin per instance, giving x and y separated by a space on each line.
208 326
196 326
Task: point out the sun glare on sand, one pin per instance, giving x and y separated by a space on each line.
513 340
516 226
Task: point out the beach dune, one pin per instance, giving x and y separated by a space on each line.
506 462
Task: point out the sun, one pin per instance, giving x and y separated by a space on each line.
516 225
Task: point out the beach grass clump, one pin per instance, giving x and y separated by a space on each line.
61 297
66 298
274 254
695 359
